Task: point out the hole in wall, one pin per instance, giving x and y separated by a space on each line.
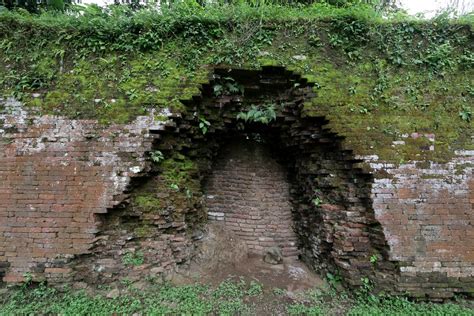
248 192
309 198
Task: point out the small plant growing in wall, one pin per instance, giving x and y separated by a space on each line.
156 156
204 125
147 202
133 258
366 288
28 280
366 284
374 259
317 201
466 113
334 280
262 114
227 86
189 194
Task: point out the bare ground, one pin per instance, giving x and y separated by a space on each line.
223 257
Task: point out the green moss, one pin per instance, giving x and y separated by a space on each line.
177 171
432 176
374 80
147 202
143 231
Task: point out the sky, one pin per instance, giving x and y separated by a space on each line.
430 7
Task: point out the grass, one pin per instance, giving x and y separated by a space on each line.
228 298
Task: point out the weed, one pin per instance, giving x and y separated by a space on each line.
466 113
374 259
278 292
317 201
261 114
402 306
255 289
366 284
301 309
126 282
229 289
204 125
227 299
227 86
28 279
133 258
157 156
333 279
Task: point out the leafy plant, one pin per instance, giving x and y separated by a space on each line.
227 86
333 279
374 259
263 114
439 57
28 279
126 282
228 298
132 94
278 292
316 201
204 125
255 289
133 258
157 156
366 287
466 113
230 289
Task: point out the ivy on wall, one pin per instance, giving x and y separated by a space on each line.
377 80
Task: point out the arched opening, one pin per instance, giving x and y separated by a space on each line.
249 193
309 199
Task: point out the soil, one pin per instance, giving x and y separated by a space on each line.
221 256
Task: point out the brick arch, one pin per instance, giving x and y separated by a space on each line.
248 191
331 214
338 233
70 193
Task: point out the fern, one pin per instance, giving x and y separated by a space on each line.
256 114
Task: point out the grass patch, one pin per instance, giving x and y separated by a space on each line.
228 298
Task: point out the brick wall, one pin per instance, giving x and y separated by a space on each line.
249 192
69 189
55 176
427 212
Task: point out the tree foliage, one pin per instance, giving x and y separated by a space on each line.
34 6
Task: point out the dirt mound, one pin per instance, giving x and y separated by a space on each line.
222 256
219 248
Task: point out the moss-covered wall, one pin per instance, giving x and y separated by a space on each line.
396 94
376 80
